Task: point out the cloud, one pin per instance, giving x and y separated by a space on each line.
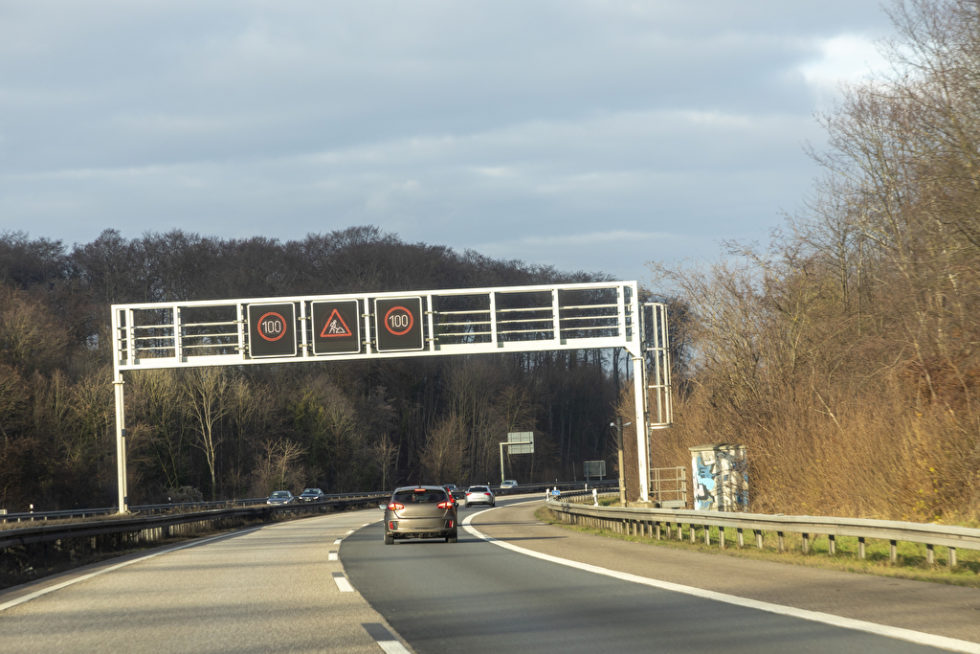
583 133
842 59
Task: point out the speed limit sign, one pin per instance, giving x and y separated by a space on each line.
398 323
272 330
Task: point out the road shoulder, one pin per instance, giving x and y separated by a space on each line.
950 611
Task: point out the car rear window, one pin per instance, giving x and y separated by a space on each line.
428 496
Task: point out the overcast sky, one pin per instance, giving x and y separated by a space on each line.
584 134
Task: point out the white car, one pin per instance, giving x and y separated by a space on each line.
508 484
479 495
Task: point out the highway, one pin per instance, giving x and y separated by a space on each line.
511 584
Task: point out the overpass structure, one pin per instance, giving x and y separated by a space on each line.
318 328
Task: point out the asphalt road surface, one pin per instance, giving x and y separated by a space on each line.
482 596
278 588
511 584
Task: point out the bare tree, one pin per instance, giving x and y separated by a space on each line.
206 391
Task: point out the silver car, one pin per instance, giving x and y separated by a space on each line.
420 512
480 495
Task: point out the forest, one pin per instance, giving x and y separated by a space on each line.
218 433
843 354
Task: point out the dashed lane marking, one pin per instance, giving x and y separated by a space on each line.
342 583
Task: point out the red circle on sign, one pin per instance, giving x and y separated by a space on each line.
411 321
270 338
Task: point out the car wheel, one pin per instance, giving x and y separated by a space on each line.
451 538
389 539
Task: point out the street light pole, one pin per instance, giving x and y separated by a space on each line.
619 446
502 443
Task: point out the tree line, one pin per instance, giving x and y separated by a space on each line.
845 356
244 431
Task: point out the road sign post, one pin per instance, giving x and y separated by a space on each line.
463 321
518 442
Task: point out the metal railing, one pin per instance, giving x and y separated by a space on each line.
157 509
657 523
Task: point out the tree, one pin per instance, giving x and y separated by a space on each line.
206 392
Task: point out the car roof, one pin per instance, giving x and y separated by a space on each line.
426 486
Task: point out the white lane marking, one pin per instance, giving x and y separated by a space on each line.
338 541
50 589
392 647
918 637
342 583
384 638
332 556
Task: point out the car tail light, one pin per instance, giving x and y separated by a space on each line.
395 506
448 504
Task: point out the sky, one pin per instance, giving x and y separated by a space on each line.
587 135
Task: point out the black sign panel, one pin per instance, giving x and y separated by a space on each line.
336 327
398 323
272 330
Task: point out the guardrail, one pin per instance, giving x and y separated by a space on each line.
671 522
156 509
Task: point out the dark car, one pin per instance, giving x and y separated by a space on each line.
454 491
420 512
281 497
311 495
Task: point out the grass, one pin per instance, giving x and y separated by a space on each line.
910 564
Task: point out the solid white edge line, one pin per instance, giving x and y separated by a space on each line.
111 568
918 637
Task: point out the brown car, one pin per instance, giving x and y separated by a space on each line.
420 512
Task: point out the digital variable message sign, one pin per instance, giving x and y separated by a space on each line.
398 324
272 330
336 327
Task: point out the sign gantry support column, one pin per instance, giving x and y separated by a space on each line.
119 391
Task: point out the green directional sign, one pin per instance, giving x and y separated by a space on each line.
272 330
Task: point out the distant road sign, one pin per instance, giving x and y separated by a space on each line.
336 327
520 442
398 324
272 330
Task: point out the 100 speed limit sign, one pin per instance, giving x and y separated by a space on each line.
398 323
272 330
